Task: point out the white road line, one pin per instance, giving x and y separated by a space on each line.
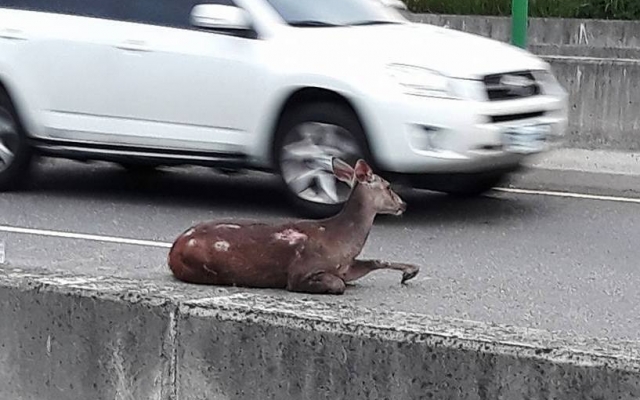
570 195
95 238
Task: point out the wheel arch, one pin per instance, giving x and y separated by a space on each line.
19 103
312 94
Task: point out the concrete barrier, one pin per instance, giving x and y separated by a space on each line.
71 337
554 36
604 103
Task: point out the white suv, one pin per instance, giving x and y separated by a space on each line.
272 85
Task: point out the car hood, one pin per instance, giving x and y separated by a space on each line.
450 52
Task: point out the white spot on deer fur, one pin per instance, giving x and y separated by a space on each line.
189 232
221 245
191 242
290 236
322 229
228 226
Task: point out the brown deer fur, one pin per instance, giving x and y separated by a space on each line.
313 256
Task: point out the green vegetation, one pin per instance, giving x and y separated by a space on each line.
600 9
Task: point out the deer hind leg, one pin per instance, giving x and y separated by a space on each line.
360 268
187 261
318 283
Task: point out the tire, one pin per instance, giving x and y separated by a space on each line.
332 129
15 152
474 186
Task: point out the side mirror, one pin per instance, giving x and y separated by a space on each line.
219 17
395 4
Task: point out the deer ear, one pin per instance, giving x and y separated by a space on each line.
342 170
363 171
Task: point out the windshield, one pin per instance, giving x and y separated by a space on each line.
333 12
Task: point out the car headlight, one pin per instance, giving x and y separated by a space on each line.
549 82
418 81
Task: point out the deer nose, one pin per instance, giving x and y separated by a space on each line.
403 206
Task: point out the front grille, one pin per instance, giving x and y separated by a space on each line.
515 117
510 86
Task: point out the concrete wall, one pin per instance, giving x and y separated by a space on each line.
598 62
65 337
604 102
593 38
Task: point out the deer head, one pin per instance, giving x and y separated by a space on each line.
376 190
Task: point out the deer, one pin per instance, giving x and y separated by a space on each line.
314 256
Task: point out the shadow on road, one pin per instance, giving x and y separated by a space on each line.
430 208
197 188
203 188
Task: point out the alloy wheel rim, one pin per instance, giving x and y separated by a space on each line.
305 161
8 140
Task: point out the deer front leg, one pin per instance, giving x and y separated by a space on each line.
360 268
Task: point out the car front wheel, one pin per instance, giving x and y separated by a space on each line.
307 139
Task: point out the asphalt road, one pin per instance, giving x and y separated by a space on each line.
531 260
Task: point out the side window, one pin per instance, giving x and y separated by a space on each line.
173 13
86 8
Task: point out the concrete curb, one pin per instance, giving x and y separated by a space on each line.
73 337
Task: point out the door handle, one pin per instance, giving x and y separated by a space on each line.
12 34
133 45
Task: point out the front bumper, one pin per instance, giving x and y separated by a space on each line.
413 135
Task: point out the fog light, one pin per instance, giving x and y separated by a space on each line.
426 138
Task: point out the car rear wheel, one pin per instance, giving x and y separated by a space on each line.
15 152
307 139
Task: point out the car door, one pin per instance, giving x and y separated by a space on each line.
181 88
64 53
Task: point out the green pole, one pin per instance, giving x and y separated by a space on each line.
519 22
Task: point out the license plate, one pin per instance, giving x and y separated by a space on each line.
526 139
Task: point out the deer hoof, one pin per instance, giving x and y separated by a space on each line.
409 275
